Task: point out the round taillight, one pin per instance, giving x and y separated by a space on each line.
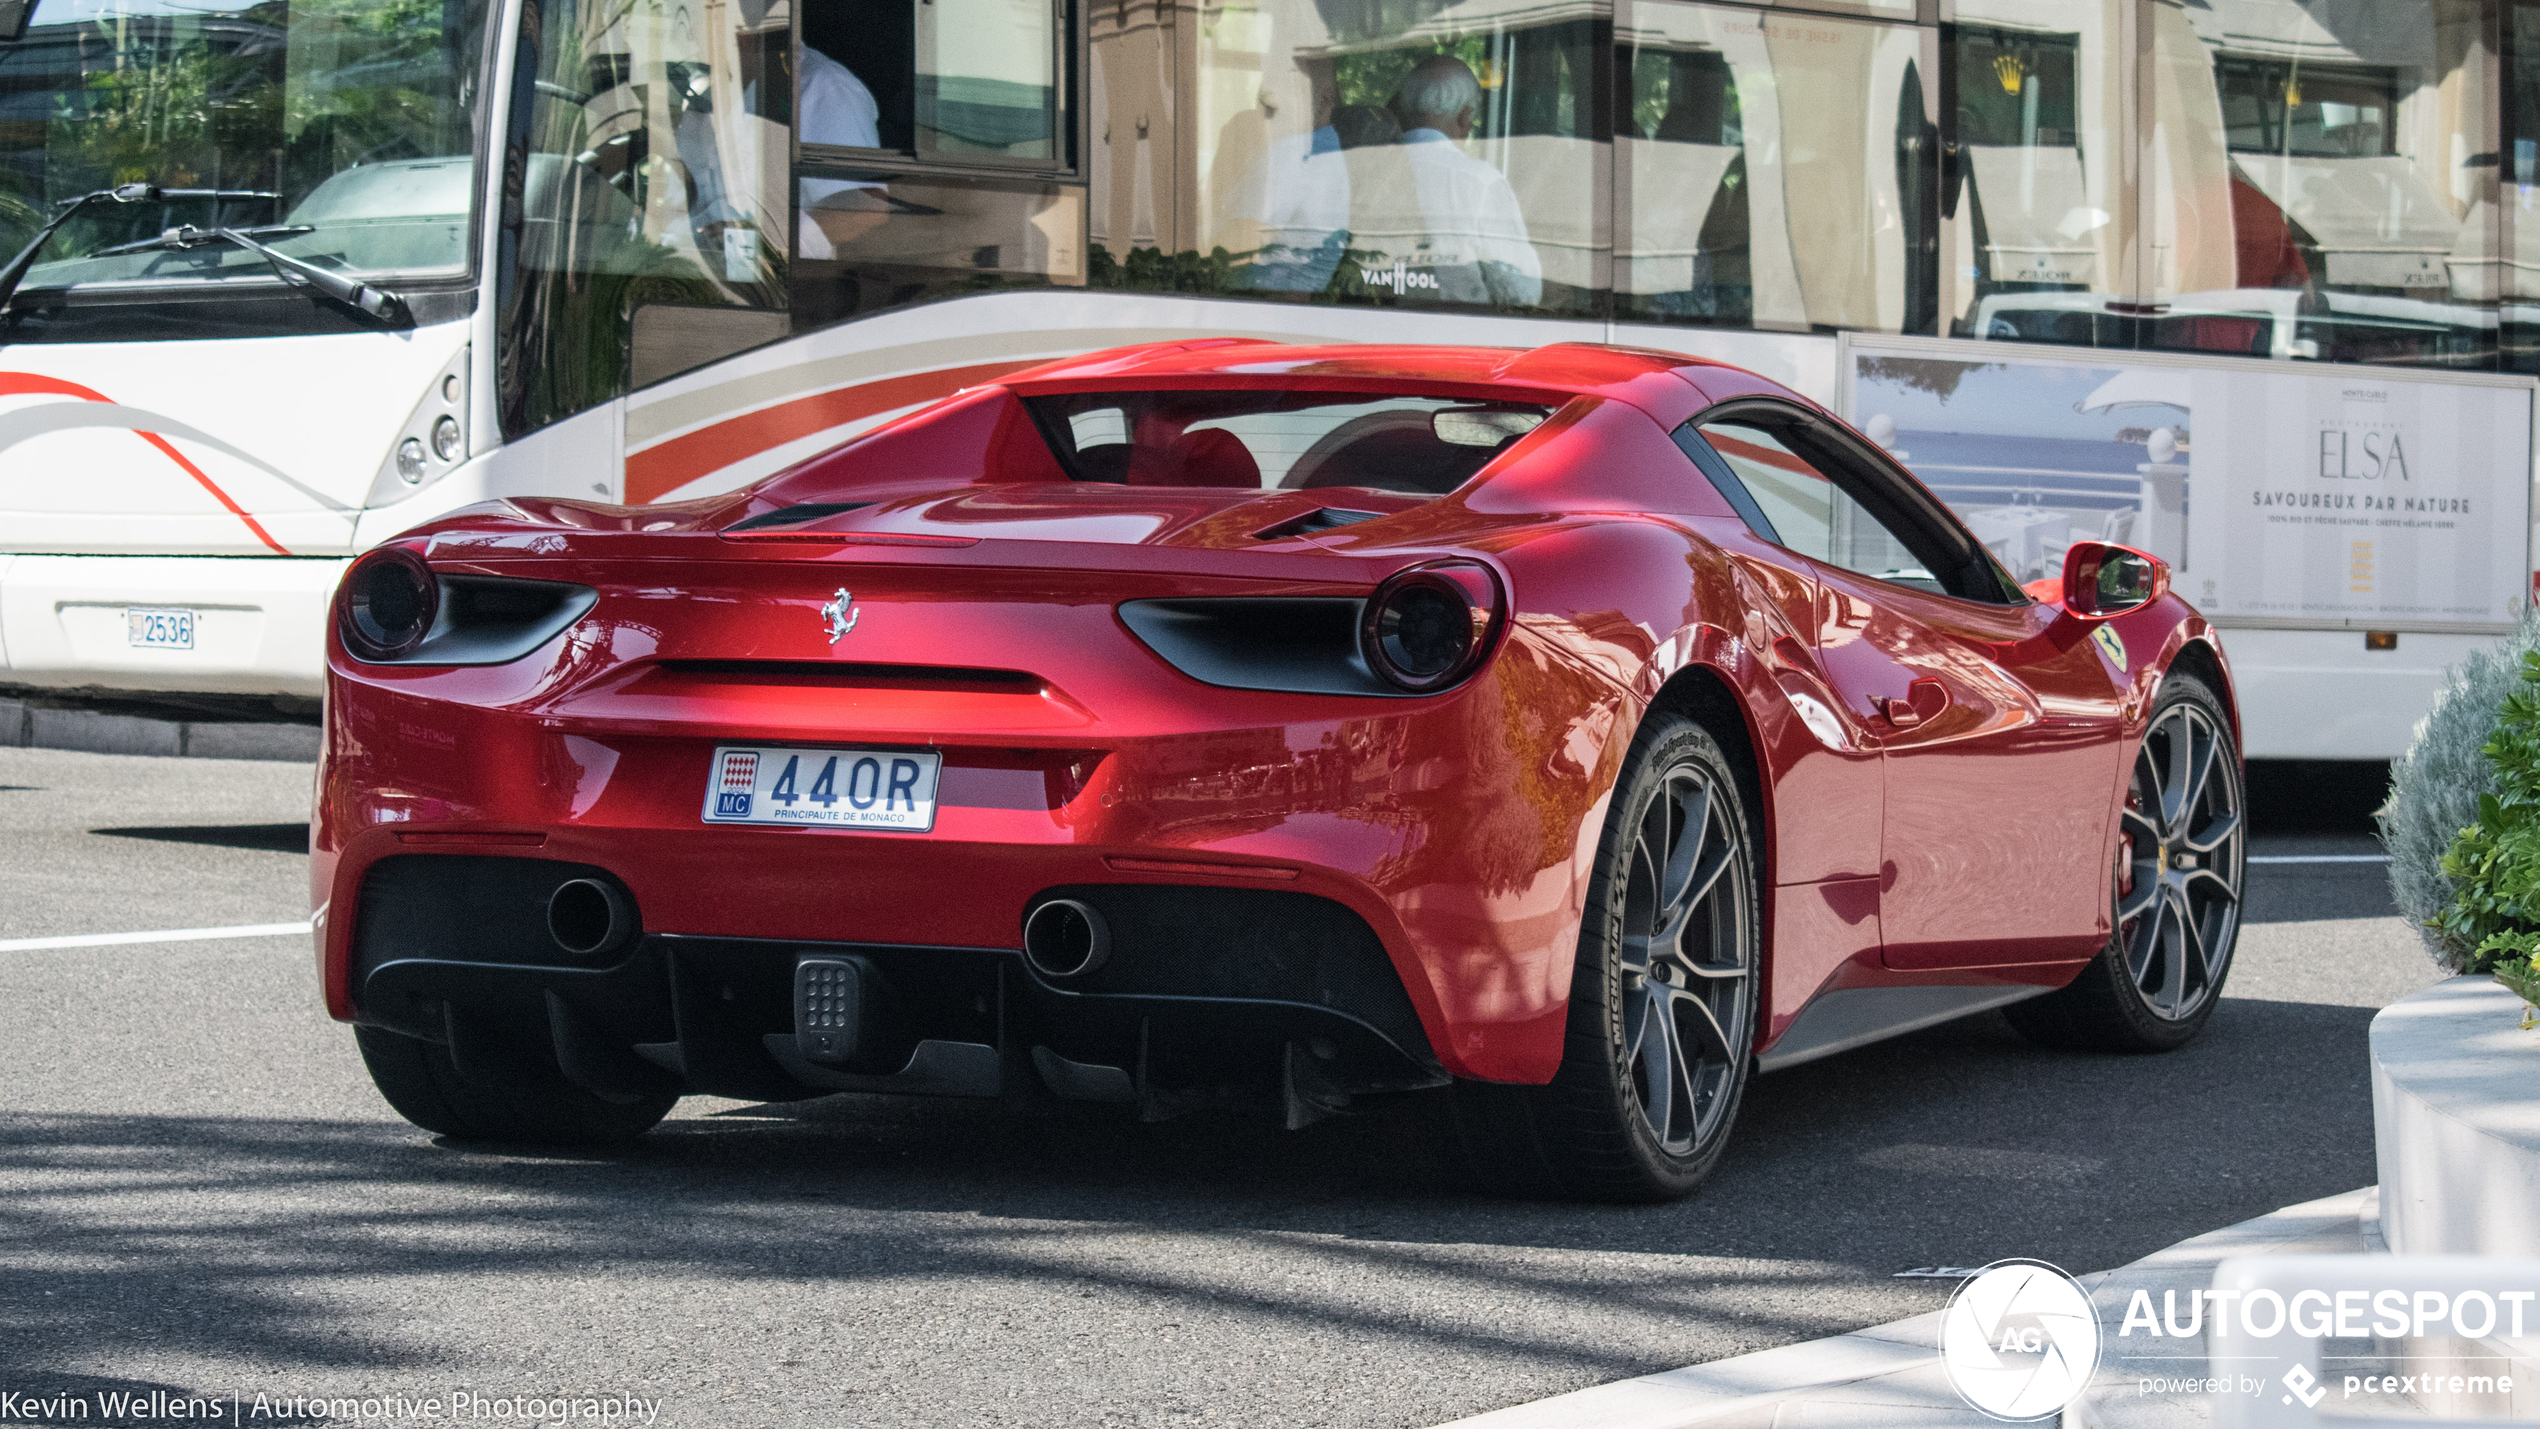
387 608
1427 627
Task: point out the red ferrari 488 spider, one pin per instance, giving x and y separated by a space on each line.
1564 736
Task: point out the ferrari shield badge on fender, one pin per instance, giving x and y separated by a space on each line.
2110 644
841 614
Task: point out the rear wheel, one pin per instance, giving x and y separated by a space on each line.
1662 999
2181 856
423 1084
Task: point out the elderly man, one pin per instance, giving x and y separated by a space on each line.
1470 222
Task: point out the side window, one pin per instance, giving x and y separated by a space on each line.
644 205
935 153
1788 499
959 80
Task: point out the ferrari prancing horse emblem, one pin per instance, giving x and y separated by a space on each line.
841 614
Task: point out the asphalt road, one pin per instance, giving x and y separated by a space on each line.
199 1191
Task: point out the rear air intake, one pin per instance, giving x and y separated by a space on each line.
1064 938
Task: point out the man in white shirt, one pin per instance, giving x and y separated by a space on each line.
832 106
1298 194
1470 214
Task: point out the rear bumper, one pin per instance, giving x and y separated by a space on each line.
259 622
1212 995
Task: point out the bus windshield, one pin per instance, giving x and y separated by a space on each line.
348 120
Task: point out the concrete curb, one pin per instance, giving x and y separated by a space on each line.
2455 1130
25 726
1891 1375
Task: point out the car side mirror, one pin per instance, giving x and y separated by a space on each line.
2101 580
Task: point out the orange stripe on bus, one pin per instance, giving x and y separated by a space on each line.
664 467
21 384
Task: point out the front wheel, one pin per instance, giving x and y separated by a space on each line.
1662 998
2181 858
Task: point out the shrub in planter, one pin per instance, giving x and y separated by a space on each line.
2439 790
2494 864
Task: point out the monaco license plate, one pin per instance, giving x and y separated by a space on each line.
159 629
831 788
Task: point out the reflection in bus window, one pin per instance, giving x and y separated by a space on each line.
2323 182
891 239
2518 284
1742 140
2041 239
654 150
1417 155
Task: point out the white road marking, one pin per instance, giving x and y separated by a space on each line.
2319 858
164 935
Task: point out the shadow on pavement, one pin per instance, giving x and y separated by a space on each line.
274 838
1955 1146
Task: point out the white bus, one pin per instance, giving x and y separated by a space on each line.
313 271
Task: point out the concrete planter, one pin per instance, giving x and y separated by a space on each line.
2456 1121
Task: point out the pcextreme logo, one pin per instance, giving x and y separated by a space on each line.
2020 1340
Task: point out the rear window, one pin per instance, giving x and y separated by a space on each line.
1280 441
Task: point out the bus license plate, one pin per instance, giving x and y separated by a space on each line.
830 788
157 629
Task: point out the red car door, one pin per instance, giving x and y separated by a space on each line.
1997 724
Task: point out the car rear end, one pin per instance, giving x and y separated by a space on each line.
884 814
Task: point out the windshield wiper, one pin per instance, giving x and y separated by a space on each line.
372 301
160 240
16 272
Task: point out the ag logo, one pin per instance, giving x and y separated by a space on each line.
2020 1340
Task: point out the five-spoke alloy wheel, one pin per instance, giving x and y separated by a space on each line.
2181 855
1662 998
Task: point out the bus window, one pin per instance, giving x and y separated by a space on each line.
655 154
874 239
341 134
959 81
2042 238
1742 138
1407 155
891 93
2325 191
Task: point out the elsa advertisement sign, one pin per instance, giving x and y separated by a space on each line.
2279 495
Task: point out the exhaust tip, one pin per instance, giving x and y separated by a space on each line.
1064 938
587 917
